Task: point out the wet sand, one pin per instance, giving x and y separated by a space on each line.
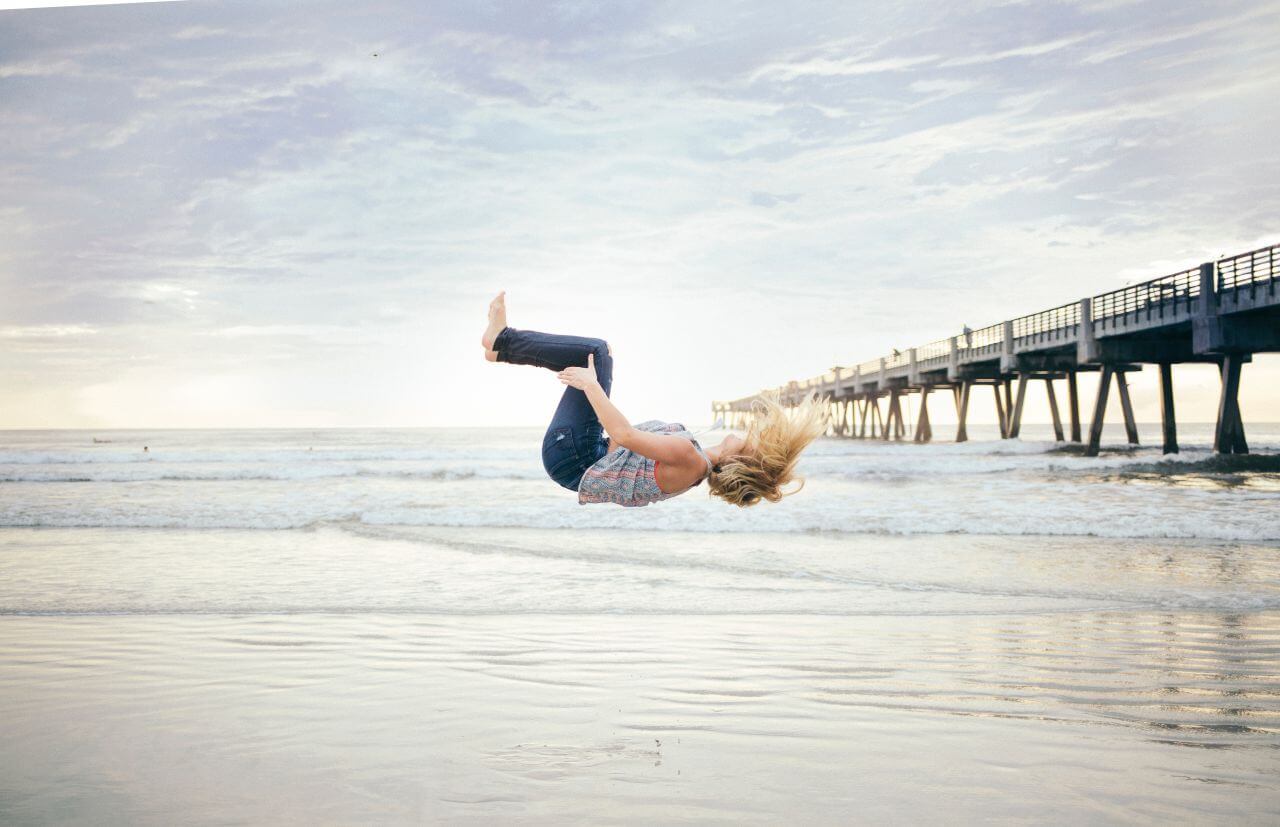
157 697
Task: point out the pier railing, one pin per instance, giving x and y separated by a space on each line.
1231 284
1158 300
986 340
1059 324
933 355
1254 269
870 367
1249 280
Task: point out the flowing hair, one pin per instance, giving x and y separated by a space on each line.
768 460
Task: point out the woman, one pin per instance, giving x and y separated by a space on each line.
640 464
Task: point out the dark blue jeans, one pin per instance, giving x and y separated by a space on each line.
575 439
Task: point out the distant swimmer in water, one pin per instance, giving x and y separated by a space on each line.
636 465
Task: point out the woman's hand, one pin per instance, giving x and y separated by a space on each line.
580 378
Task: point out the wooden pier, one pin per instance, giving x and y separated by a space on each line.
1221 312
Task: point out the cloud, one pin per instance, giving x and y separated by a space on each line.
1130 43
38 68
1032 50
944 86
846 67
199 32
768 199
47 331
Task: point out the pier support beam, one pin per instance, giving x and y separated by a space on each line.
1168 422
1053 408
893 424
1228 436
924 432
1130 426
1073 402
1099 410
1015 422
1004 423
1008 407
962 411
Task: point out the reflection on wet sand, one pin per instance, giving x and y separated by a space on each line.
400 717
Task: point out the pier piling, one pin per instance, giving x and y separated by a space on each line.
1053 408
1168 422
1099 410
1000 415
1130 426
962 411
1073 402
1229 434
924 433
1015 426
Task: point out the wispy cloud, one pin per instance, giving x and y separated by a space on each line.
199 32
847 67
1130 43
1030 50
38 68
46 331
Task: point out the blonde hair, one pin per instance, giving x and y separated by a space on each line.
773 444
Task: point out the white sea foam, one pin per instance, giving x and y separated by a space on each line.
278 471
494 478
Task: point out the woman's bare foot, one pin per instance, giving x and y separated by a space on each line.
497 321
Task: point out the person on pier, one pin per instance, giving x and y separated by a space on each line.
636 465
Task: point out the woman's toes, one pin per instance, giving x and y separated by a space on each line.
497 321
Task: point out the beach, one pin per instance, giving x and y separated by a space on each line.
416 626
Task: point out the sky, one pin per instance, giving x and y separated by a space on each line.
218 214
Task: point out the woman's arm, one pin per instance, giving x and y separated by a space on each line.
673 450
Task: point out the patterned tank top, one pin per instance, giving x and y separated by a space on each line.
624 477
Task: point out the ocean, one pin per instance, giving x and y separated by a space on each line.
353 479
417 626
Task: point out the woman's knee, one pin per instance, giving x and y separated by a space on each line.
559 450
603 352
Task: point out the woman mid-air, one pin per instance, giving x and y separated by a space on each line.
639 464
